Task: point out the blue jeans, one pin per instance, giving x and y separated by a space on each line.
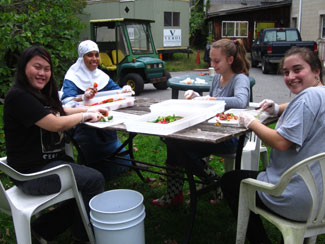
97 144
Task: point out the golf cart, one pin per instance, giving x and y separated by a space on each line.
128 54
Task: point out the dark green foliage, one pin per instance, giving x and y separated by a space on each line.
53 24
198 26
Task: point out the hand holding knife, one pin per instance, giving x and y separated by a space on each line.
268 106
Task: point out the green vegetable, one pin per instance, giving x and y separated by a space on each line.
166 119
106 119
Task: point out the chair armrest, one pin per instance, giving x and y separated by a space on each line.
257 185
64 171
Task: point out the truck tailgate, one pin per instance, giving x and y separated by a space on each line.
281 47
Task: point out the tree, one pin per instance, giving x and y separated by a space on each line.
198 27
53 24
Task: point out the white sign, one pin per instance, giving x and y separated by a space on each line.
172 37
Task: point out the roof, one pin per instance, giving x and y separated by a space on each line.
120 20
249 8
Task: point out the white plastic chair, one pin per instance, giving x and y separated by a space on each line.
22 206
250 159
293 232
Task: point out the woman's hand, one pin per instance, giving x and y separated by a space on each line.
207 97
190 94
103 111
245 119
270 107
91 117
89 93
126 89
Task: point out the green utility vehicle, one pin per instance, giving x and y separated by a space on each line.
128 54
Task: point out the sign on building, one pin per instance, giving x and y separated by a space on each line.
172 37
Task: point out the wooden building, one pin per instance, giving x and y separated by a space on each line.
244 19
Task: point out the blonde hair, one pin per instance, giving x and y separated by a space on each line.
236 49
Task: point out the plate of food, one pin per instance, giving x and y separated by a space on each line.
113 118
231 116
166 119
112 102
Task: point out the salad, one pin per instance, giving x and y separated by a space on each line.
166 119
226 116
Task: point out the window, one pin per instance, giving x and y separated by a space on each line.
234 29
171 18
323 26
139 38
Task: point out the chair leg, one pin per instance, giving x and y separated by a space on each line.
243 217
265 160
229 164
22 227
310 240
85 219
292 236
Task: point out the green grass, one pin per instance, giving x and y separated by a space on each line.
182 61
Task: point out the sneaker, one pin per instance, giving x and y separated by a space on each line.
76 241
163 202
41 239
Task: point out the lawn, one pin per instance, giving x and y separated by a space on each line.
182 61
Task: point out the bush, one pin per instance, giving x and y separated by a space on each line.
53 24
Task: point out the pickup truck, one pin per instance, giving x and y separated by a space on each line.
271 45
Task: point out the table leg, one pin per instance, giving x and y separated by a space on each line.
193 205
239 151
174 93
128 141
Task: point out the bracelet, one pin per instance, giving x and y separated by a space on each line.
83 118
276 109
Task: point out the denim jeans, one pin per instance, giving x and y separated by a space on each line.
97 144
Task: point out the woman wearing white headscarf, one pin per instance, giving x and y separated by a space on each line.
83 77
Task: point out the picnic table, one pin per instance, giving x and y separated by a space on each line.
178 83
202 132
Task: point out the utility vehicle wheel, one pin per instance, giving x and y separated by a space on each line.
253 62
162 85
266 67
135 81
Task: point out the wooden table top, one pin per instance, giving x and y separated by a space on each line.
203 132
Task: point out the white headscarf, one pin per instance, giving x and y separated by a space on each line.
80 75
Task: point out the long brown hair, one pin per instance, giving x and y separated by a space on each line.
236 49
308 56
49 94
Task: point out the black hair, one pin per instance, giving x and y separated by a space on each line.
49 94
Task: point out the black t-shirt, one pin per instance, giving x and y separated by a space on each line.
28 146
